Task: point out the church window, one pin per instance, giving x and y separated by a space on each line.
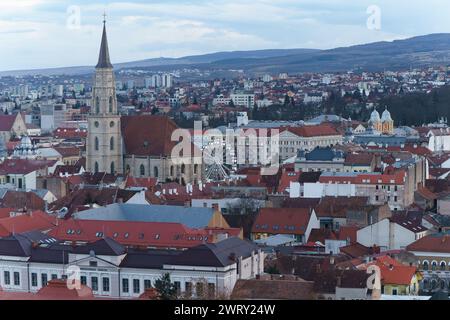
96 124
183 168
97 105
155 172
111 124
142 170
113 168
171 171
111 144
110 104
96 144
96 167
195 168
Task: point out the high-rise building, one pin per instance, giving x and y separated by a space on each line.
167 80
104 143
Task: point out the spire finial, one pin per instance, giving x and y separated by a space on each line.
104 17
103 60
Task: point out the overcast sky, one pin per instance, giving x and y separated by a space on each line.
46 33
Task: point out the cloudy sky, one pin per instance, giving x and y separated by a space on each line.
55 33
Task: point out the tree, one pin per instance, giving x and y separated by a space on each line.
166 288
155 110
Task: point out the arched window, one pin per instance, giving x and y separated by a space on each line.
195 168
155 172
113 168
97 105
434 265
142 170
425 265
171 171
96 167
96 144
443 265
110 104
111 144
183 168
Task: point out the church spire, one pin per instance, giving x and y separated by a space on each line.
103 59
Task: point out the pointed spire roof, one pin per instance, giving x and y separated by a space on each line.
103 59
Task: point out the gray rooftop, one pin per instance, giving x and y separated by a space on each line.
189 216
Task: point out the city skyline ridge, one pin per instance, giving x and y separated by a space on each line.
39 34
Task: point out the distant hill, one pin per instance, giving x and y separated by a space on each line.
166 62
400 54
419 51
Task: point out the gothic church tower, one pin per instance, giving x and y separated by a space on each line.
104 142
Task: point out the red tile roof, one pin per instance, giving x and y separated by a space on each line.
148 135
282 221
24 166
393 272
6 122
286 178
312 131
396 178
148 183
130 233
22 200
69 133
439 243
37 220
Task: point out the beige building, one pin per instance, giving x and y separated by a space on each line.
12 126
294 139
383 124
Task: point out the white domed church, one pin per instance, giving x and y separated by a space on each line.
383 124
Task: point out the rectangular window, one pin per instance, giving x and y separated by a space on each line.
125 286
54 276
44 279
34 280
136 286
188 286
177 285
211 290
16 279
94 283
7 278
105 284
199 289
147 284
83 280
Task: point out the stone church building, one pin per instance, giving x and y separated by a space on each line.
137 145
